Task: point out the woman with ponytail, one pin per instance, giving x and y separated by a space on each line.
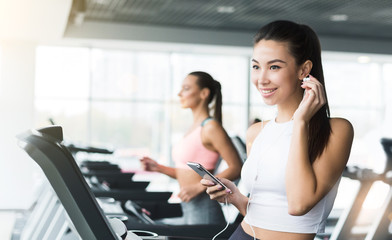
205 142
295 160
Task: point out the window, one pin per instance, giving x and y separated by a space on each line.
62 89
127 100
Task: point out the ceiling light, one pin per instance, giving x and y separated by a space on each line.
102 2
78 18
225 9
338 17
363 59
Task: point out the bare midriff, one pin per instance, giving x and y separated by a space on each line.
187 177
265 234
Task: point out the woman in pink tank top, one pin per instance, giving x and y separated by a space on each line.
205 141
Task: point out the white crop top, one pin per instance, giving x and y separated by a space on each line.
263 175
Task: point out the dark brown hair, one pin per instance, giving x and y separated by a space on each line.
205 80
303 45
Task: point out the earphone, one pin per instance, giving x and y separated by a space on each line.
247 208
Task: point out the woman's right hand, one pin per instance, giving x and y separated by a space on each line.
148 164
219 193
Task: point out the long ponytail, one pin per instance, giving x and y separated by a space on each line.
205 80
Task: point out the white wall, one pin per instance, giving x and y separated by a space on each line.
23 23
16 103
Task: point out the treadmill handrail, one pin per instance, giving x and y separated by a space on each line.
66 179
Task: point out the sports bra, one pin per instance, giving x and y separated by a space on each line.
191 148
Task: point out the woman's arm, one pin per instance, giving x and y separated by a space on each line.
215 138
152 166
307 183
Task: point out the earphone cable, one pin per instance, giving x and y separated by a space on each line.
227 224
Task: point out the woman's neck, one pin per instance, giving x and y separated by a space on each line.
286 114
282 117
199 115
286 111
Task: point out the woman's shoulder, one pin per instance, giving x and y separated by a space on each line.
341 126
210 122
211 126
254 130
207 120
258 126
340 123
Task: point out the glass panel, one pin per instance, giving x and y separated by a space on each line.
129 75
128 124
353 84
363 120
234 119
72 115
230 71
132 129
62 72
387 83
255 96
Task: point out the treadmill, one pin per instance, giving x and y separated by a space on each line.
86 216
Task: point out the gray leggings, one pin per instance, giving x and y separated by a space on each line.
240 234
202 210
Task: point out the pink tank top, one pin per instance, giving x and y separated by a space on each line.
191 148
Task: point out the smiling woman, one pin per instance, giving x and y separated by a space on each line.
291 174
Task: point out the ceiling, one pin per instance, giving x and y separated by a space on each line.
355 20
33 21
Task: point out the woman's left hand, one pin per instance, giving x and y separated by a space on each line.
314 98
189 192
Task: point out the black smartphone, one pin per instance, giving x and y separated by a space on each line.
204 173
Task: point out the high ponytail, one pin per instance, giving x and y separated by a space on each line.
205 80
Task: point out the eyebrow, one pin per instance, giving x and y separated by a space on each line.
271 61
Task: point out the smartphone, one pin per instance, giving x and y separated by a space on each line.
204 173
